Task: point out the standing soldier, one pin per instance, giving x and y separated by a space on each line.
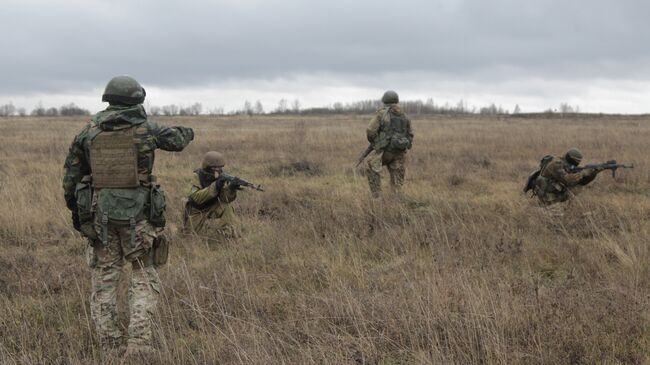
209 198
390 136
557 179
117 205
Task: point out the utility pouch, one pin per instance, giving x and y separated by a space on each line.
84 197
160 250
157 206
399 143
122 206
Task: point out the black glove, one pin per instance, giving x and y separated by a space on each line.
75 220
71 202
234 186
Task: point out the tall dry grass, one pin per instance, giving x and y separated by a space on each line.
466 270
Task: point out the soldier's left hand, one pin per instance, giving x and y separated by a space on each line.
75 221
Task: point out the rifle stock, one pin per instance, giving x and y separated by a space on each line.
363 155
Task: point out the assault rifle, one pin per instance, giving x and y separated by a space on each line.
237 181
609 165
363 155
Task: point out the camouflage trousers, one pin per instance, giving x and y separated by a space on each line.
553 197
106 263
217 224
394 161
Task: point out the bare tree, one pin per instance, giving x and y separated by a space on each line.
71 109
155 110
283 106
169 110
196 108
39 110
565 108
295 106
216 111
259 108
248 108
7 110
52 112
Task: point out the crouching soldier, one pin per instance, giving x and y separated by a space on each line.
117 204
208 209
558 180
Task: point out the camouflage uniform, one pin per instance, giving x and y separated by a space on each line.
386 127
111 243
556 183
209 199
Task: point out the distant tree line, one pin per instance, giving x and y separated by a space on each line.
413 107
284 106
9 110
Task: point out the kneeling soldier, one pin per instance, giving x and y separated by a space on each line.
209 198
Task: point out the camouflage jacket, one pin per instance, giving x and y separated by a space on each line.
149 137
387 124
558 171
205 191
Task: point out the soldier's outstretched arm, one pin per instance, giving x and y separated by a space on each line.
557 172
172 138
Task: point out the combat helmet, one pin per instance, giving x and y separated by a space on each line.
390 97
124 90
573 156
213 158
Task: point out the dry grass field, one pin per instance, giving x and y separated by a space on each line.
464 270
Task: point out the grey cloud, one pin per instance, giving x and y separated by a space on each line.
65 45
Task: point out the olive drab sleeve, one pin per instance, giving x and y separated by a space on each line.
75 168
200 195
556 170
171 138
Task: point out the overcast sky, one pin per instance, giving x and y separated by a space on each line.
538 54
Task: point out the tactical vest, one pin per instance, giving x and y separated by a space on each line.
119 195
114 159
393 133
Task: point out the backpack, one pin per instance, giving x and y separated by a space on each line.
393 136
536 182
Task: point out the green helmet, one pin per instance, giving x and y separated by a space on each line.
390 97
124 90
574 156
213 158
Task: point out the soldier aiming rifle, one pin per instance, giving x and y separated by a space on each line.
559 178
208 209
